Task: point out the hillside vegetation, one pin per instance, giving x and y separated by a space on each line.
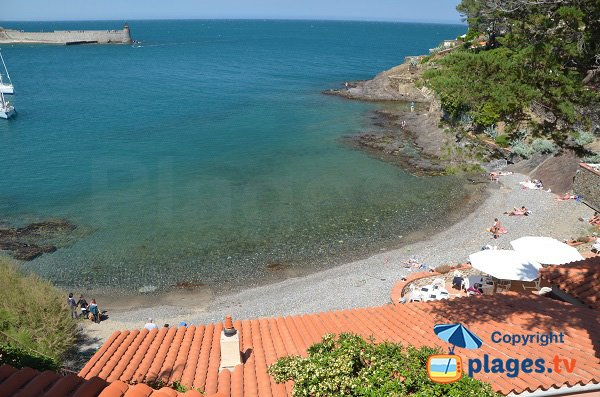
36 329
527 74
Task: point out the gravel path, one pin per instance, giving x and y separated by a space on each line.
368 282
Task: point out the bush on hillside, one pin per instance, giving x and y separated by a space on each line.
583 138
348 365
592 159
502 140
522 149
541 145
36 329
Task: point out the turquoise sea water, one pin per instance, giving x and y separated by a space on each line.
208 152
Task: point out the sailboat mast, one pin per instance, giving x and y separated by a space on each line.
5 68
2 101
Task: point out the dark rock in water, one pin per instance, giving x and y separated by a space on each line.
46 228
24 251
28 242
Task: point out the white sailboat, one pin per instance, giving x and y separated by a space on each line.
6 88
6 109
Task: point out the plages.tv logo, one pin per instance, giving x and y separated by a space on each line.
448 368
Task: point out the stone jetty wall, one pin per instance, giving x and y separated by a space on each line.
587 185
10 36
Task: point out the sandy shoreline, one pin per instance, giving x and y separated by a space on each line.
360 283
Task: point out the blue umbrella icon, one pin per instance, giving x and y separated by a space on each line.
457 335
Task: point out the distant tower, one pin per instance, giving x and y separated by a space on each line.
127 34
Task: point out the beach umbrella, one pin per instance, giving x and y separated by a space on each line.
546 250
505 265
457 335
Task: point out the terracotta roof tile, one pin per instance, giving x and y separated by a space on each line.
192 355
27 382
581 279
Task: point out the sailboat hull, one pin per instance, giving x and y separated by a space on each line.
7 113
7 89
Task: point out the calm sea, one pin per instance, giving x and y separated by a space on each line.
208 152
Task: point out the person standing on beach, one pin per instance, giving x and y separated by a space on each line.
95 311
83 305
72 306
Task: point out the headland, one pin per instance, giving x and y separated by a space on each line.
67 37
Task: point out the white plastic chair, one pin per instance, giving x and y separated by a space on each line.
535 287
415 296
438 282
503 285
425 293
443 294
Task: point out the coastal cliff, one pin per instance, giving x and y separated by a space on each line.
395 84
11 36
425 140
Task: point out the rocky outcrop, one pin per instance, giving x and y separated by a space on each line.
29 242
396 84
412 140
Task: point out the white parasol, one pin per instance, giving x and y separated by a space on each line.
505 265
546 250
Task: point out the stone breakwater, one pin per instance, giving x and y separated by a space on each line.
11 36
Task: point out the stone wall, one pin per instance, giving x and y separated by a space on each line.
587 185
66 36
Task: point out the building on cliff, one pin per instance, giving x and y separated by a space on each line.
12 36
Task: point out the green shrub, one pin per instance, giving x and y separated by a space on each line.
541 145
350 366
471 34
502 140
36 328
592 159
522 149
583 138
491 131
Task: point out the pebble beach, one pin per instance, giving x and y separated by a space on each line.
361 283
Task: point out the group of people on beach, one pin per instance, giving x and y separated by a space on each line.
81 308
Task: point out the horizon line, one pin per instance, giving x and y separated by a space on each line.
431 21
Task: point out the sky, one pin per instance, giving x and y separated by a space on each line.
376 10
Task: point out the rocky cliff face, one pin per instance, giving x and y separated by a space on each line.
396 84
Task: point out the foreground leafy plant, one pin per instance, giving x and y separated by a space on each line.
350 366
36 329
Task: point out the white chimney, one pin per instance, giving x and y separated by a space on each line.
230 346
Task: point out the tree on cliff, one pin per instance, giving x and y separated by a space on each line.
540 53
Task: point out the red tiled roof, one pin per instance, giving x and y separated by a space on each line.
580 279
191 355
28 382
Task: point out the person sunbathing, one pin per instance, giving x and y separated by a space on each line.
566 197
518 212
497 229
